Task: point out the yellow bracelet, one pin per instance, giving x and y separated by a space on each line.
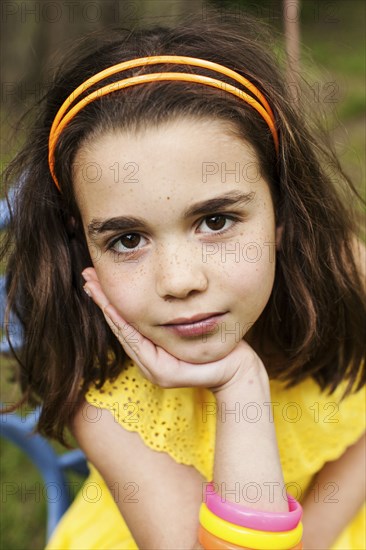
258 540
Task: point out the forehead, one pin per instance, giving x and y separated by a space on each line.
180 159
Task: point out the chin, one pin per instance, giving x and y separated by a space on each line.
201 355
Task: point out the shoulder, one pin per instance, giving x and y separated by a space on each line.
94 428
106 408
313 426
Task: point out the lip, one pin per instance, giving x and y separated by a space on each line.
196 328
191 320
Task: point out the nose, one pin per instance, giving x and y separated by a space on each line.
179 273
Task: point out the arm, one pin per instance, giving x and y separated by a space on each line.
246 455
170 494
324 520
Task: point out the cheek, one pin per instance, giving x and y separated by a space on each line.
126 292
253 276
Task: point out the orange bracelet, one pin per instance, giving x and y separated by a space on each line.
211 542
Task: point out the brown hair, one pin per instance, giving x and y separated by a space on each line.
316 311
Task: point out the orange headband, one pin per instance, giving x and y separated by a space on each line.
63 117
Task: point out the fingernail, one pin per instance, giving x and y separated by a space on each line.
86 289
86 276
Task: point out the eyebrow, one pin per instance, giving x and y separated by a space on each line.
98 226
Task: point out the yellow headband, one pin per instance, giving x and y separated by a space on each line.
63 117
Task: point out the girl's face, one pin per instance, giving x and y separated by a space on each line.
180 223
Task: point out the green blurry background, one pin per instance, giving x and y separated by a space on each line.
35 33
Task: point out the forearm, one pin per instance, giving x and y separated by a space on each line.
247 467
335 497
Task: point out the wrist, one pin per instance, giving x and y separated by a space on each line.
247 380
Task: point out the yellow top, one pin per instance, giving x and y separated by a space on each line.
312 428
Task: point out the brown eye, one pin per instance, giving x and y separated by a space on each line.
126 246
216 222
131 240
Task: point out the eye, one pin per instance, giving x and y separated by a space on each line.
217 222
128 244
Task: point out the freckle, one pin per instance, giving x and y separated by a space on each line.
168 198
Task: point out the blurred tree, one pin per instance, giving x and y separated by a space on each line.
35 33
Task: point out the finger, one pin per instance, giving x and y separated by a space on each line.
124 332
120 328
89 274
156 364
140 349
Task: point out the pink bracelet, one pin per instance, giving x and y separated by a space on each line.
254 519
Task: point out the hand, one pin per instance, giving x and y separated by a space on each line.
162 368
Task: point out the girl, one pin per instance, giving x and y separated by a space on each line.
219 338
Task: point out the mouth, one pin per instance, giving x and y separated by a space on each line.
192 320
201 324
